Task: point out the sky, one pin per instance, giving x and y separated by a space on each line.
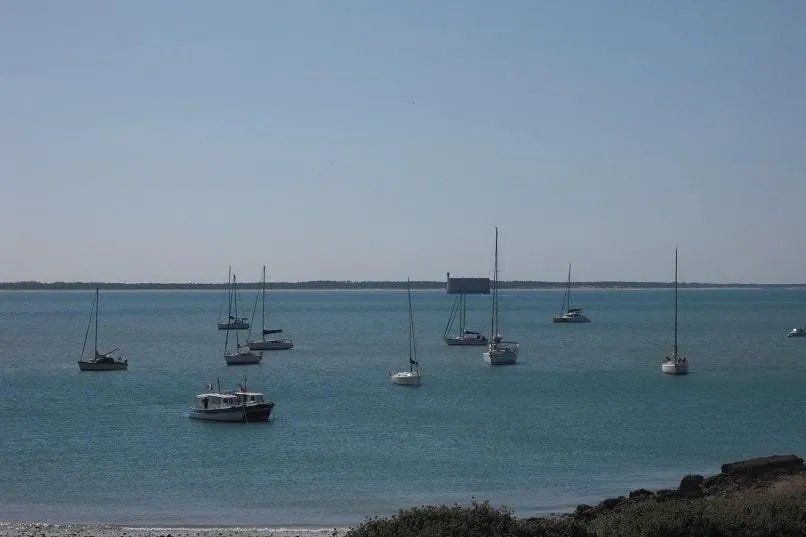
156 141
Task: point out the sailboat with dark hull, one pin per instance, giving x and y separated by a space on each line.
275 342
100 361
464 337
675 364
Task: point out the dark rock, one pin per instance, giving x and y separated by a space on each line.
762 465
691 484
641 493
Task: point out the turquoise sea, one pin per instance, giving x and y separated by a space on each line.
585 414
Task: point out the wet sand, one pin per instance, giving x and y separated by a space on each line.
14 529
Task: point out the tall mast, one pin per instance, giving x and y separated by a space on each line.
675 302
495 290
412 345
97 307
568 290
235 309
263 310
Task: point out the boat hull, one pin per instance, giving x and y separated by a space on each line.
91 365
406 378
569 319
797 332
249 413
243 358
468 342
501 355
234 325
674 368
271 345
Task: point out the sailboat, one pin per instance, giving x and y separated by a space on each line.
233 322
464 337
675 364
263 344
567 313
101 361
241 355
412 376
499 352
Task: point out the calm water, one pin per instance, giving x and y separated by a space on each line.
585 414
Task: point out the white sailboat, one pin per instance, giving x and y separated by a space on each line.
567 313
675 364
241 355
464 337
100 361
499 352
412 376
232 322
276 343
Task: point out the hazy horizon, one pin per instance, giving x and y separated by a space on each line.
375 141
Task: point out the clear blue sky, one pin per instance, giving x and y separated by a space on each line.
379 140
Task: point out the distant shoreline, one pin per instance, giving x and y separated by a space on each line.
383 285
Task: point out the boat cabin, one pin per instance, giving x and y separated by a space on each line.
229 399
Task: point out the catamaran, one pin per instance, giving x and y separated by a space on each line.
567 313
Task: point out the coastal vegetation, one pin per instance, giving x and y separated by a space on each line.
764 497
376 285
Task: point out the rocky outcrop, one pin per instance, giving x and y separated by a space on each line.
736 476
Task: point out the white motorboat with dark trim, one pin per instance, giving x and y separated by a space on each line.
242 405
797 332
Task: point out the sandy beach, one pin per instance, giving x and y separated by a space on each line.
13 529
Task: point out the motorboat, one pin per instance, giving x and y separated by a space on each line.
242 405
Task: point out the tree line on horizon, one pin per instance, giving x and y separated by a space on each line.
380 285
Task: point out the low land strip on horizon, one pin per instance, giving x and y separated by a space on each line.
380 285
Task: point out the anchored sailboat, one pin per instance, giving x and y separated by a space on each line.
413 375
675 364
276 343
464 337
100 361
241 355
567 313
499 352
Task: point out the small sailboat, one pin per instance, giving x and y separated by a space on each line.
241 355
675 364
567 313
464 337
275 343
413 375
797 332
232 322
100 361
499 352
